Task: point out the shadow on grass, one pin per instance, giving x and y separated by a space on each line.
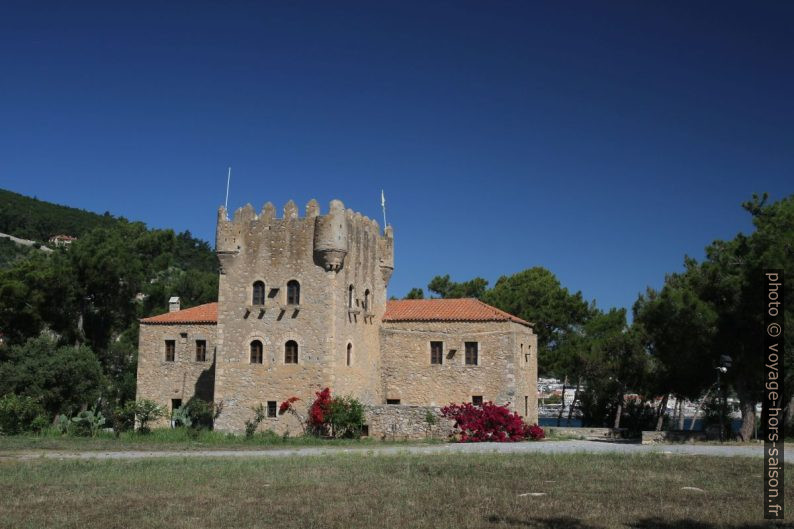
645 523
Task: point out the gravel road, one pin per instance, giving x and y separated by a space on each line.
545 447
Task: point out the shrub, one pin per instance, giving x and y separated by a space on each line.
489 422
122 418
535 432
147 411
21 414
335 417
87 423
259 416
200 413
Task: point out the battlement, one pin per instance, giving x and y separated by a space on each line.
330 233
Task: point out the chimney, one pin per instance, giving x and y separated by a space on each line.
173 304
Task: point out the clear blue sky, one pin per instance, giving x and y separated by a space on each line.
602 140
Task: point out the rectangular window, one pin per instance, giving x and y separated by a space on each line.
170 350
436 352
201 350
472 353
176 404
476 400
392 401
526 405
271 408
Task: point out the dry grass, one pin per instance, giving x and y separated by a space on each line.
405 491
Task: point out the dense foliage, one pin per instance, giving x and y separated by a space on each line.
489 422
21 414
86 300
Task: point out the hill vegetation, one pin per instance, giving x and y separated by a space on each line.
88 296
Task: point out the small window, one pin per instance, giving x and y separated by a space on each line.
201 350
436 352
176 404
271 408
291 352
526 405
259 293
366 300
526 355
476 400
256 352
392 401
349 353
170 350
293 293
350 296
472 353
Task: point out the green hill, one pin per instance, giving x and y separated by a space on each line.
31 218
94 291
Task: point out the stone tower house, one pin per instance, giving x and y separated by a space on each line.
302 305
339 264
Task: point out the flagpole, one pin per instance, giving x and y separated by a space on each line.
228 179
383 205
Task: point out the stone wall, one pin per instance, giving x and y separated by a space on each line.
162 381
506 371
399 423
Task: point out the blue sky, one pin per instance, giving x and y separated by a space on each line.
602 140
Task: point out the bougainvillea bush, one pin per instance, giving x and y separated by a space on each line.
490 422
335 416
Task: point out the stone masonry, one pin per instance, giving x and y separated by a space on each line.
309 292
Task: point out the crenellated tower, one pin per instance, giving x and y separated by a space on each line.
299 305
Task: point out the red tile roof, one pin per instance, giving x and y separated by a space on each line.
207 313
467 309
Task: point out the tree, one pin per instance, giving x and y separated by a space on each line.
716 308
415 293
66 379
678 329
735 285
613 362
444 287
536 295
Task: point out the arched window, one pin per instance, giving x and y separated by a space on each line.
349 353
259 293
366 300
293 293
350 295
256 352
291 352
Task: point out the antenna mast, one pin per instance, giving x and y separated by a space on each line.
383 205
228 179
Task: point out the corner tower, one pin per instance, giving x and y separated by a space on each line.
300 303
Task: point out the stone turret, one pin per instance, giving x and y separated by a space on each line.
331 238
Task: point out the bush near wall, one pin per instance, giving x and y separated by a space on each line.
490 422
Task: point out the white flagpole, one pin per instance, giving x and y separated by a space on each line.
383 205
228 179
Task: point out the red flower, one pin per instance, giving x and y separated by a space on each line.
287 405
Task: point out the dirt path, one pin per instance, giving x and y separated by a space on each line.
545 447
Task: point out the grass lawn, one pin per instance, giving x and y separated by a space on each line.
176 439
399 491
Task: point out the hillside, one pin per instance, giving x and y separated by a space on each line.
31 218
94 291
